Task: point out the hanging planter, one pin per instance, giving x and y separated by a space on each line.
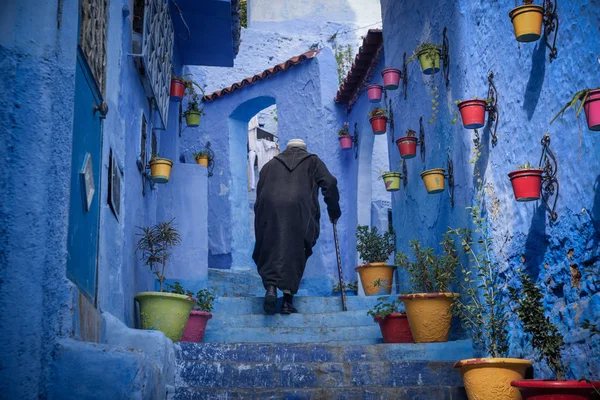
429 57
374 93
192 118
484 378
472 113
160 169
526 183
429 315
378 119
345 137
391 78
592 110
202 158
374 249
527 21
434 180
391 181
407 145
395 328
177 89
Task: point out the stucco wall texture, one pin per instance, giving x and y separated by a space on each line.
531 91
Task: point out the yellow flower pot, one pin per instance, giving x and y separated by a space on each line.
392 181
430 61
203 160
489 378
527 22
165 312
160 169
434 180
369 273
429 315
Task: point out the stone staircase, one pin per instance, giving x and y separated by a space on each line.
320 353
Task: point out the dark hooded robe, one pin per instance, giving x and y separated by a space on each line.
287 214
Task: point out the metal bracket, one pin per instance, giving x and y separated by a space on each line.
421 141
391 119
405 77
180 118
146 177
355 140
450 176
551 23
102 108
211 159
549 165
445 57
404 174
492 108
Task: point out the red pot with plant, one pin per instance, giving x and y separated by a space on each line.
378 119
345 137
526 182
407 145
472 113
374 92
592 110
177 89
533 389
199 316
395 328
391 78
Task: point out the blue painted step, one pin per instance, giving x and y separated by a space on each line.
322 320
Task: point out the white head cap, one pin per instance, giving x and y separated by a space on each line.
297 143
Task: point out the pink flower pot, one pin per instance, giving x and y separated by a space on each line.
592 110
374 93
194 330
346 141
177 90
391 78
472 113
379 125
407 146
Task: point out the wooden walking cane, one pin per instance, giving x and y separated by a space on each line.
339 262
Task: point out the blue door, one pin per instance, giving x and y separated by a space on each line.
84 208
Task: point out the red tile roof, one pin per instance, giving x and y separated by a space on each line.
284 66
362 69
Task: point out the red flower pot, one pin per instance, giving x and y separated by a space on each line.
374 93
196 325
526 183
395 328
472 113
379 125
592 110
391 78
177 89
407 146
536 389
346 141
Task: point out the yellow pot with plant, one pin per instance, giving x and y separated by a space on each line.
202 157
434 180
527 21
160 169
429 57
374 249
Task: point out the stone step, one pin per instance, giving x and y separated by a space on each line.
324 320
403 373
292 334
304 304
339 393
319 352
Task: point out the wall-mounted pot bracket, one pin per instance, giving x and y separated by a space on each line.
551 23
450 176
445 57
405 77
492 108
550 184
355 140
421 141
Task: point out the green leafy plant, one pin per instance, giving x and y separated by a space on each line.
374 247
429 272
383 307
410 133
204 297
594 329
243 10
481 308
200 154
344 131
351 286
343 58
579 97
546 340
431 52
527 165
378 112
155 246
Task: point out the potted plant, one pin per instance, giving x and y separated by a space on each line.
548 342
429 57
177 88
199 316
374 250
472 112
407 145
374 93
391 78
194 109
349 289
378 119
202 157
527 21
391 179
526 182
589 101
166 312
428 310
345 137
392 322
434 180
483 311
160 169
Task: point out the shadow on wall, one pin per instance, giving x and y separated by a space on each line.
536 243
482 162
596 207
536 78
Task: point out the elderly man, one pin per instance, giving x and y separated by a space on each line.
286 220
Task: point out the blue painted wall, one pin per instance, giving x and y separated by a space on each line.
531 90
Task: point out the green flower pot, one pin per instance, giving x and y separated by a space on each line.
430 61
192 118
165 312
